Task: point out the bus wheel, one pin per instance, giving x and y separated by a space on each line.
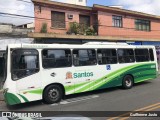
53 94
127 82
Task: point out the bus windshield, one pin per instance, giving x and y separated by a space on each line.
2 67
24 63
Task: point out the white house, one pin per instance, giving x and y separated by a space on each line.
77 2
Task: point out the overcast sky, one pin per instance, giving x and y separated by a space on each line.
27 9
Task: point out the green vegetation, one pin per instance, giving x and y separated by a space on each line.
44 28
74 26
80 29
90 31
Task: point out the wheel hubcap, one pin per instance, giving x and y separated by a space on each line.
53 94
128 82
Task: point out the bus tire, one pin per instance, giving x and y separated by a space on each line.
127 82
53 94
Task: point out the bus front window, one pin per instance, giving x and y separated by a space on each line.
2 69
25 62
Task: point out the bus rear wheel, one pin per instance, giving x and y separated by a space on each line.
127 82
52 94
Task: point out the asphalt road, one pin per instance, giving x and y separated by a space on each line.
142 97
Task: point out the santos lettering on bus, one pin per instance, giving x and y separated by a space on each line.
85 74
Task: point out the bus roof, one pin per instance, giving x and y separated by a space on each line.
43 46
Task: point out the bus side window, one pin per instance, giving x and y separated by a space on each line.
151 54
126 55
107 56
76 60
142 55
84 57
99 58
56 58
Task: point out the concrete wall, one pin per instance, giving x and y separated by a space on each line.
5 41
23 31
5 28
128 29
30 25
8 29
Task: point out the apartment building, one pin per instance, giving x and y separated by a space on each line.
109 23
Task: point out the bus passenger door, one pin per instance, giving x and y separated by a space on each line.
25 71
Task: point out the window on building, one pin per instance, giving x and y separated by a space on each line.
142 25
125 55
58 19
24 63
151 54
107 56
117 21
84 57
142 55
80 0
84 20
53 58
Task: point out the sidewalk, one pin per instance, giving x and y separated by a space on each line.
1 82
1 91
1 95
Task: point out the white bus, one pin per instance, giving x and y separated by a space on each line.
50 71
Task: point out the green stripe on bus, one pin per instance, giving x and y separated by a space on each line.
11 99
70 88
38 91
114 76
24 98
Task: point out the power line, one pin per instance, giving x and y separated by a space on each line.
19 15
16 17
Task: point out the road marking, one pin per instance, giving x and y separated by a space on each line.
149 108
76 100
55 104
